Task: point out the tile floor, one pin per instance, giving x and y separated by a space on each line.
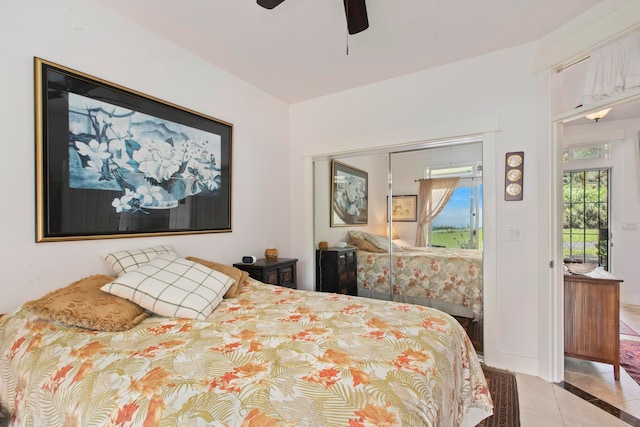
550 405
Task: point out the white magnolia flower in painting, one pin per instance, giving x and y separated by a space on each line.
96 152
158 161
149 194
120 205
123 204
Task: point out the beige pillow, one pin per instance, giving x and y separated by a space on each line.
378 241
83 304
365 245
236 274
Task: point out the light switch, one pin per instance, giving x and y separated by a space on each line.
514 233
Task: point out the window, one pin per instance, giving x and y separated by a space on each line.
459 225
586 216
586 152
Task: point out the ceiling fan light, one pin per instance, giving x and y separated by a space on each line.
598 114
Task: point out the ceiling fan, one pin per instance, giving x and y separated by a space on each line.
355 11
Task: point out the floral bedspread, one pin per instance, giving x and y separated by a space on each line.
450 275
271 357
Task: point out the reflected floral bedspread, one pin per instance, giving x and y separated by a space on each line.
450 275
273 356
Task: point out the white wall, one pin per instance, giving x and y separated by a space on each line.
449 101
512 88
84 36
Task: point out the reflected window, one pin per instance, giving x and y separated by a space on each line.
459 225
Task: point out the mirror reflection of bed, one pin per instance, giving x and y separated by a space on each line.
449 279
434 261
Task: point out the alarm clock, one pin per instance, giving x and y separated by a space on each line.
248 259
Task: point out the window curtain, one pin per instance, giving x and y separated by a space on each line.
433 196
613 68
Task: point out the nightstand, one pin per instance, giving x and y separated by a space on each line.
274 271
336 270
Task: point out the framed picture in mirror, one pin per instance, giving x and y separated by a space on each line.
404 208
349 195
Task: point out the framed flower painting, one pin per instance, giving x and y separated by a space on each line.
112 162
349 195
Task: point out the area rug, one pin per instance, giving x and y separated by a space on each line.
474 330
630 358
504 393
627 330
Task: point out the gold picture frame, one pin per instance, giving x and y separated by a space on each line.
98 174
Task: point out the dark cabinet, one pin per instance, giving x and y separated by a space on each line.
274 271
336 270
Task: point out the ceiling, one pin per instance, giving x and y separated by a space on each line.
298 50
626 110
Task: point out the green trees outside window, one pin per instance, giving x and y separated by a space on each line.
586 216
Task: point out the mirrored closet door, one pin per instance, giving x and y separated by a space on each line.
417 237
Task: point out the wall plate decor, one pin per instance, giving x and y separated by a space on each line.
112 162
513 175
349 195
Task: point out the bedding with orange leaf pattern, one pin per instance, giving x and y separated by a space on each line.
271 356
449 279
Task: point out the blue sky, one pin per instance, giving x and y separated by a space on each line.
456 213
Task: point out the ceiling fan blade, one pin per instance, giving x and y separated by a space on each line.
269 4
356 13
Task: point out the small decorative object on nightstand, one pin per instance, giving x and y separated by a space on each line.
271 253
336 270
274 271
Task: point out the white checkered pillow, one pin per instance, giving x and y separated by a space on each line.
172 287
124 261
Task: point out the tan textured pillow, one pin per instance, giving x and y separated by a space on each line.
83 304
236 274
378 241
365 245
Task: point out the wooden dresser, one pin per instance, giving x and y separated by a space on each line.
592 319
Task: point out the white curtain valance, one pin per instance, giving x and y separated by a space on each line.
613 68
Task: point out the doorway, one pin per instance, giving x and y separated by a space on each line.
609 150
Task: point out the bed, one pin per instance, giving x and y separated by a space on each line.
448 279
267 356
